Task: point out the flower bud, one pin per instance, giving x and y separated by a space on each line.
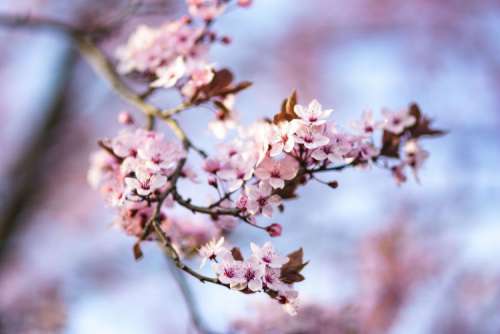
274 230
244 3
125 118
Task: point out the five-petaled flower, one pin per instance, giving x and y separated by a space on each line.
261 200
313 114
276 172
397 121
268 256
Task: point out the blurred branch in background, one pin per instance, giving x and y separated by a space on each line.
25 173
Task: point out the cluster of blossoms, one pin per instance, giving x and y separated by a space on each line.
176 53
264 271
132 172
254 173
268 160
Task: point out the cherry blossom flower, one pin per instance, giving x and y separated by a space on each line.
268 256
272 279
367 125
397 121
283 137
169 75
158 154
212 250
202 75
253 272
288 297
276 172
313 114
230 272
240 170
311 136
145 182
415 156
261 200
339 145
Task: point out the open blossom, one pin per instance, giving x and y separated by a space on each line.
313 114
272 278
367 126
212 250
145 182
253 272
276 172
288 297
239 170
339 145
169 75
261 200
268 256
397 121
312 136
283 137
414 156
230 272
159 154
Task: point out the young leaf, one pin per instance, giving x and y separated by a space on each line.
236 254
287 113
290 272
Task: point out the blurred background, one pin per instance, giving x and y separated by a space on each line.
419 258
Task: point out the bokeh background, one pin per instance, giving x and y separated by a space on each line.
420 258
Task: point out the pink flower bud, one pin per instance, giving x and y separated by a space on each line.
125 118
226 40
244 3
274 230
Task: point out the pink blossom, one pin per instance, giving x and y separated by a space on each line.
397 121
230 272
415 156
212 250
272 279
127 143
340 144
283 137
268 256
145 182
169 75
159 154
202 75
276 172
238 171
312 115
367 125
261 200
253 272
311 136
288 297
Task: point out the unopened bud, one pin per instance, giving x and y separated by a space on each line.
125 118
274 230
333 184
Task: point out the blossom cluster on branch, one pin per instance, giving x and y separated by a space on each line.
254 173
